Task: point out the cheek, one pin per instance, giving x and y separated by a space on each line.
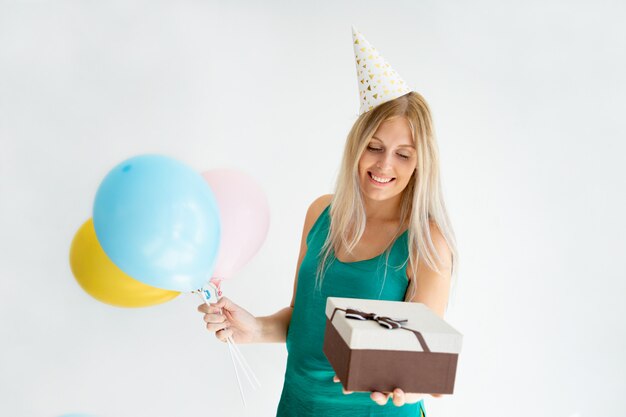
408 173
363 164
368 160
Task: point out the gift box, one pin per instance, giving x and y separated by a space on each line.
376 345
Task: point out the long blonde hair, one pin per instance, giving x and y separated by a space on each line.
421 201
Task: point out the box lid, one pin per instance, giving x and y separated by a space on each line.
438 335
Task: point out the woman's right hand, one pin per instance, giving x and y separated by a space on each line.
227 319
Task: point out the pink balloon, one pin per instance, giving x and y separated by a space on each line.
244 217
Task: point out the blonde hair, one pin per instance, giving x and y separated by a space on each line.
421 201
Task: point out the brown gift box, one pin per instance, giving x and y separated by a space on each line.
419 357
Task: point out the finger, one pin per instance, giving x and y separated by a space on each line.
379 398
223 306
398 397
336 379
224 334
210 309
214 318
436 395
216 327
412 397
223 302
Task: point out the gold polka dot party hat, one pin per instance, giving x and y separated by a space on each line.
378 82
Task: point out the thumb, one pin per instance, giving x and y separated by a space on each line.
225 303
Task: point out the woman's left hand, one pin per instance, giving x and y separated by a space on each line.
398 397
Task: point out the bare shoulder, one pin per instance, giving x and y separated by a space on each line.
441 247
316 208
313 213
432 286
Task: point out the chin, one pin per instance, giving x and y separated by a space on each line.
380 195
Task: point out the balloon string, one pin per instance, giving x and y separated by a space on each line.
244 365
216 282
230 350
237 358
243 397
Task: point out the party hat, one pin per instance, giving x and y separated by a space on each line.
378 82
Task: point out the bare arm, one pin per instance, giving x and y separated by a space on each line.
274 328
432 289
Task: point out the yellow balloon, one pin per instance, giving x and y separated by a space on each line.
103 280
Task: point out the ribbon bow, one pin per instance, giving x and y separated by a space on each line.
387 322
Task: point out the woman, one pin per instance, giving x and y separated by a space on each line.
384 234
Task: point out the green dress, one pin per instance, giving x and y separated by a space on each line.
309 389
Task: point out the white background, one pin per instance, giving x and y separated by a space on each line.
528 101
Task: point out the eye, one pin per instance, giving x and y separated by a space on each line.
373 148
403 156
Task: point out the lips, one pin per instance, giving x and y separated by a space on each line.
381 180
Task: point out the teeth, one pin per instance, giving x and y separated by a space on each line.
380 179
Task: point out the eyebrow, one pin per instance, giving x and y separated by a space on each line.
401 146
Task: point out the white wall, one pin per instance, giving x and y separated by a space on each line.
528 100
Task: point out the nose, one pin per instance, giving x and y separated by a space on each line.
384 161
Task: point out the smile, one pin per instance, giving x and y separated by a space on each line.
379 180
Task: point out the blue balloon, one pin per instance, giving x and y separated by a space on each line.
158 221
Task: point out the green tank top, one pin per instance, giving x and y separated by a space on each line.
309 389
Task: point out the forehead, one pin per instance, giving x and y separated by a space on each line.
394 132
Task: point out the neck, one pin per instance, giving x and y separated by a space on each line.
384 211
